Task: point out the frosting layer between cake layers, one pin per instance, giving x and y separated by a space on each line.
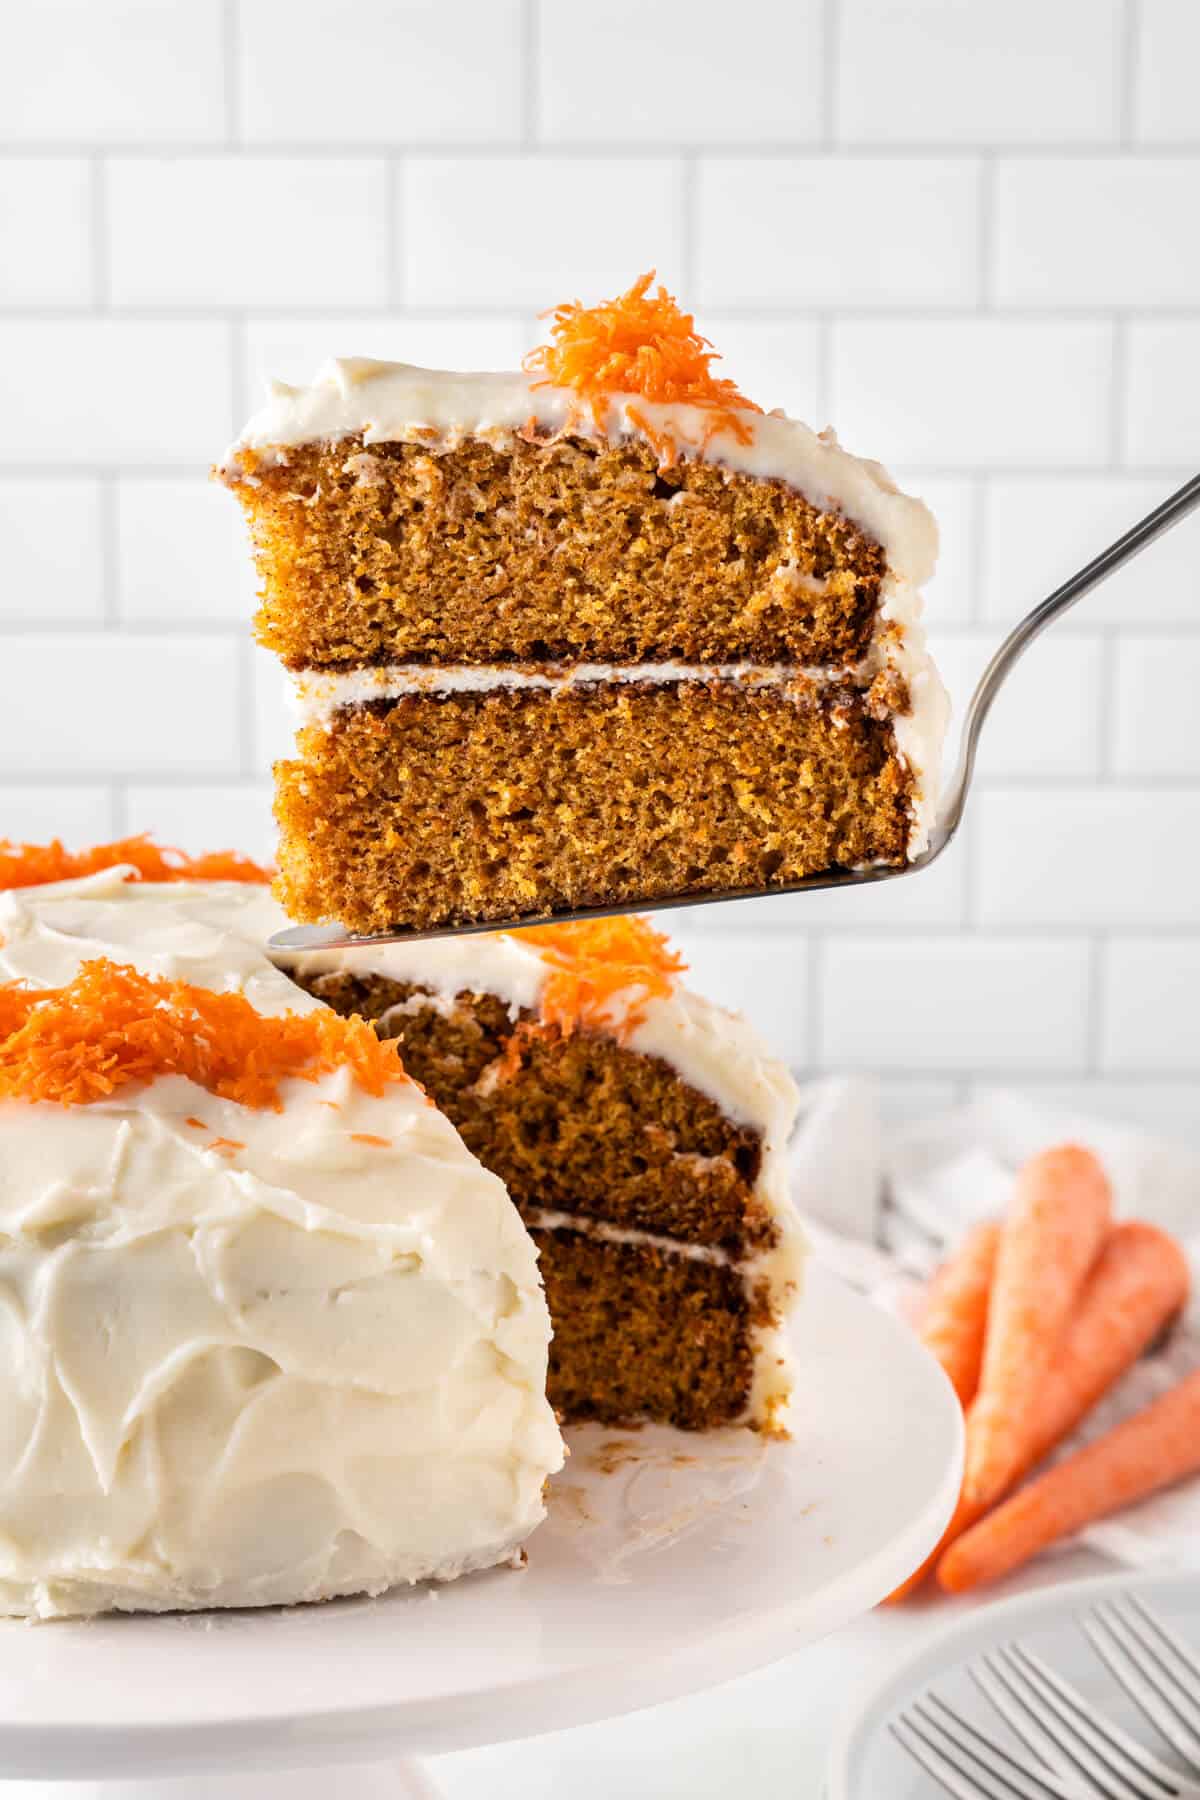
254 1356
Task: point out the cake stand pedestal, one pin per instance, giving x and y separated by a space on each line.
668 1563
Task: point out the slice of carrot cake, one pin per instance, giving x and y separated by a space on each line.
598 632
640 1131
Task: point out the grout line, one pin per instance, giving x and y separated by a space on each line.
476 150
231 65
530 24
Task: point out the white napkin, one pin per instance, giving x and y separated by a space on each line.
882 1206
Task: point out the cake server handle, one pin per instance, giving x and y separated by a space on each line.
1136 539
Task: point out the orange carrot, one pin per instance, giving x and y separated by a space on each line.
1139 1281
1151 1450
955 1317
1057 1223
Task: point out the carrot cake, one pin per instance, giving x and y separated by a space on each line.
640 1131
595 633
272 1333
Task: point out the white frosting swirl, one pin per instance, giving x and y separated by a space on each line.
252 1357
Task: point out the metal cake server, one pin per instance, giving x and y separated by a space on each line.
1136 539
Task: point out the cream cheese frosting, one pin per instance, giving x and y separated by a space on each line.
389 402
254 1357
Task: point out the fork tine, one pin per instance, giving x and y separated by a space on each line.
1164 1635
1111 1742
1110 1761
1154 1690
1021 1777
948 1775
983 1770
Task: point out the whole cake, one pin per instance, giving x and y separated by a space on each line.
590 634
640 1131
271 1332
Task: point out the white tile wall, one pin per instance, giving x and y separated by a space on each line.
961 232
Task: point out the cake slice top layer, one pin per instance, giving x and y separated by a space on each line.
629 369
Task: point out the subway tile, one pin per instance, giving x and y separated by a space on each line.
996 71
1038 530
1096 231
991 392
953 1004
79 815
920 249
531 231
213 816
247 231
766 978
183 553
1165 61
294 349
1161 394
777 362
1166 1109
902 1100
51 549
627 73
1046 720
129 71
1151 1007
121 705
1157 693
45 231
113 390
399 71
1082 856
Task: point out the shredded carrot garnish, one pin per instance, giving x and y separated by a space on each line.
369 1137
226 1146
113 1025
640 343
31 865
594 960
196 1124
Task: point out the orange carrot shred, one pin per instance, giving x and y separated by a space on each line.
226 1146
370 1137
32 865
640 343
196 1124
112 1025
594 960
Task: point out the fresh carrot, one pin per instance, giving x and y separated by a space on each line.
1055 1228
1139 1281
1151 1450
954 1321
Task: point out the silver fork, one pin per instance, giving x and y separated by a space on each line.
1158 1671
968 1764
1170 512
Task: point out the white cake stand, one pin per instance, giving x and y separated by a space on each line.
668 1563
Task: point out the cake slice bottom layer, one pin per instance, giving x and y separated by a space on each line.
449 808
